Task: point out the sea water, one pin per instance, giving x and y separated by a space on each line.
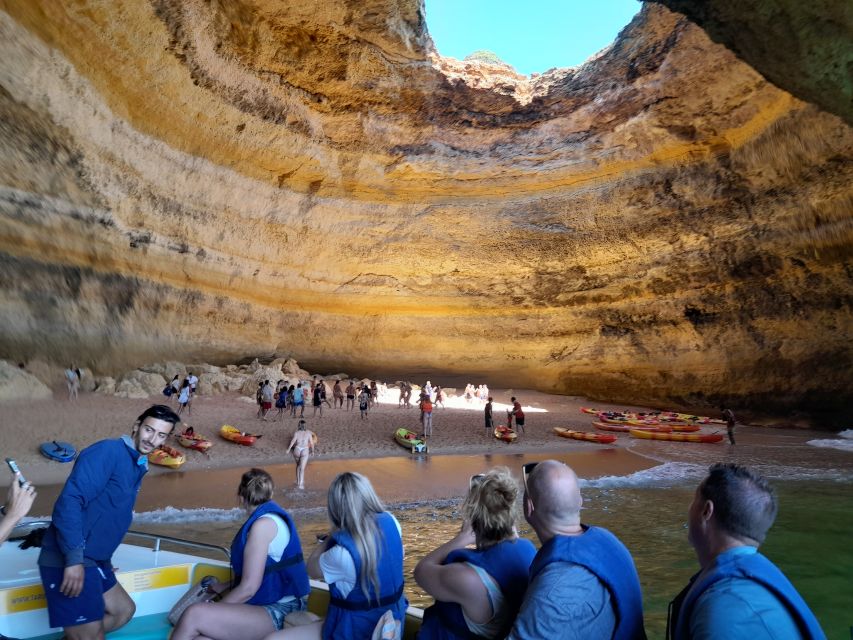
646 509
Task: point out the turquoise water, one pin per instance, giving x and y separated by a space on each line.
810 541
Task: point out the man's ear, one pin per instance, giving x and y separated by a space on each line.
528 506
707 510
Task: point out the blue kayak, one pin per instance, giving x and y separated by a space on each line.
59 451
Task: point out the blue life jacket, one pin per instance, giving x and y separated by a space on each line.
288 576
355 616
754 567
508 562
601 553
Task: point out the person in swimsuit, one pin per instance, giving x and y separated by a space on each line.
338 394
302 444
350 391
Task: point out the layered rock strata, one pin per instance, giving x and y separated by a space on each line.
204 180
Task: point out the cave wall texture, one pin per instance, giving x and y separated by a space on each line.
214 180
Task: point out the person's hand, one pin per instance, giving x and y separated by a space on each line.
217 587
72 581
19 499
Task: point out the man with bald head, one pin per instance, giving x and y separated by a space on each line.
582 583
739 593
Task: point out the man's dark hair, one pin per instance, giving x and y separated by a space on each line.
744 503
159 412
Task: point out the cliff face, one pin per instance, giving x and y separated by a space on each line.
203 179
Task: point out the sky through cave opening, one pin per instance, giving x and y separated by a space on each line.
531 36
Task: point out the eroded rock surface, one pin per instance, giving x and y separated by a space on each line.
206 181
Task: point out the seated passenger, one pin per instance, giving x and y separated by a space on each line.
270 580
361 559
583 583
478 591
738 593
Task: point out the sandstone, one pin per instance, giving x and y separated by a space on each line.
18 384
139 384
664 224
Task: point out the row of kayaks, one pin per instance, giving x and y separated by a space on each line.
652 418
643 433
167 456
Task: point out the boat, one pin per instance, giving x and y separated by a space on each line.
58 451
191 440
235 435
600 438
507 434
167 457
153 577
684 428
594 412
625 428
676 437
410 440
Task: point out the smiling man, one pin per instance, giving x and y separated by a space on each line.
90 518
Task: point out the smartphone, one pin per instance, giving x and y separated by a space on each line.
14 467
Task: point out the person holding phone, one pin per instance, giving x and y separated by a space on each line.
90 518
19 501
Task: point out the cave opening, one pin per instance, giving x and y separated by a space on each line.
530 37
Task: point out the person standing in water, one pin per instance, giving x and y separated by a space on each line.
302 444
729 417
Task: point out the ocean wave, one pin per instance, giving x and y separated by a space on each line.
664 475
171 515
844 443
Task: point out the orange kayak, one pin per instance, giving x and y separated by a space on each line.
506 434
235 435
676 437
625 428
166 457
600 438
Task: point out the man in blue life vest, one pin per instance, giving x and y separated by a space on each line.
90 518
739 593
582 583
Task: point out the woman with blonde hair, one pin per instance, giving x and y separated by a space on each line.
270 580
361 559
478 591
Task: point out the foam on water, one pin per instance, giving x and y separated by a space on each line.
844 443
171 515
664 475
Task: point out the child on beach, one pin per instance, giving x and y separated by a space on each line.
363 402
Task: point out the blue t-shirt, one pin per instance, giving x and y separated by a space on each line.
741 609
565 601
298 395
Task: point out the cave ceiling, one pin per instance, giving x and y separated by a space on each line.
670 222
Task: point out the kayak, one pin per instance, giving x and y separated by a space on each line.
625 428
59 451
235 435
167 457
506 434
685 428
410 440
594 412
600 438
676 437
191 440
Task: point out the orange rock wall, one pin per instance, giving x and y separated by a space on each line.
215 180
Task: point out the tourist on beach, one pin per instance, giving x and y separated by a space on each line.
185 398
90 518
259 399
266 399
407 400
298 401
518 413
19 500
72 381
350 391
583 578
364 402
478 591
425 406
338 395
469 392
281 400
402 400
729 417
361 559
270 581
487 413
302 444
439 396
428 389
193 380
738 593
317 398
176 386
374 392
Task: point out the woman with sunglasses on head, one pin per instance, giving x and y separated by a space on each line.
270 580
361 559
478 591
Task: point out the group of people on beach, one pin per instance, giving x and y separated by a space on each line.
183 391
487 582
293 397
